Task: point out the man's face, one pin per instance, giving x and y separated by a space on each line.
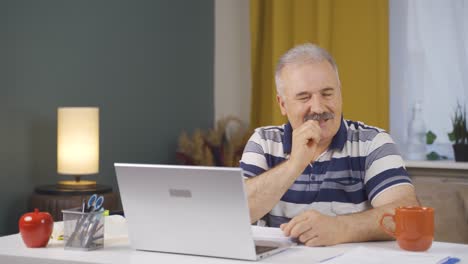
311 88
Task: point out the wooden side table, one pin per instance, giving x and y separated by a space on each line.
51 199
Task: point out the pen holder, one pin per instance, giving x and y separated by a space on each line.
83 230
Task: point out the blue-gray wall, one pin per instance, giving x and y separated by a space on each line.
148 65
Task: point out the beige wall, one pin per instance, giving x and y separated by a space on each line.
232 59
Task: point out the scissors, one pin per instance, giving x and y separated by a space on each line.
86 226
94 203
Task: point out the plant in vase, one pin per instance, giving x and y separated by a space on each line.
220 146
459 134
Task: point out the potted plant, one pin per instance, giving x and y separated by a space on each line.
459 135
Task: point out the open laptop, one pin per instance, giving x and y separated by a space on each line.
190 210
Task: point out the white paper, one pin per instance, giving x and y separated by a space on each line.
365 255
275 234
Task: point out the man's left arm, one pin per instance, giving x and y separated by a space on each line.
387 185
315 229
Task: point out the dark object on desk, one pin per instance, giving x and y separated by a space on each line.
117 212
53 200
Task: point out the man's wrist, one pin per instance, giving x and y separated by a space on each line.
293 168
344 229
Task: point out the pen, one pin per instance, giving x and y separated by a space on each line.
92 228
91 232
83 206
449 260
87 225
330 258
76 231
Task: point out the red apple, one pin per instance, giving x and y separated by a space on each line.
36 228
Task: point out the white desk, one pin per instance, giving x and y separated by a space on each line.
12 250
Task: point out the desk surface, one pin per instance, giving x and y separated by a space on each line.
12 250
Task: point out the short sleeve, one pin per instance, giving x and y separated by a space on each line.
384 166
253 161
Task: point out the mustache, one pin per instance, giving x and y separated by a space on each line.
317 117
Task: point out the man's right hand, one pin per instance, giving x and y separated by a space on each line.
305 141
266 190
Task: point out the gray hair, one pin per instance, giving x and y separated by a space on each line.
302 54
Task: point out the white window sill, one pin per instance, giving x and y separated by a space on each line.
436 164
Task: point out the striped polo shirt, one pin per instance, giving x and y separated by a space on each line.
361 162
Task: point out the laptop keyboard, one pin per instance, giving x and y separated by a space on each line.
263 249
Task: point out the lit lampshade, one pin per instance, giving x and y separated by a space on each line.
77 144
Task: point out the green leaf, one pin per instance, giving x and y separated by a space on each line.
433 156
451 136
430 137
459 134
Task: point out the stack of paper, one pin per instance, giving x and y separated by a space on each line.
274 234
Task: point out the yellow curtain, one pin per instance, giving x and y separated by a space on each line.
354 32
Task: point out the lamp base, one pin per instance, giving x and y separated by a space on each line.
53 189
76 185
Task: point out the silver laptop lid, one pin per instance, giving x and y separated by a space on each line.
186 209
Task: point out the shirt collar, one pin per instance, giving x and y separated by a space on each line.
338 140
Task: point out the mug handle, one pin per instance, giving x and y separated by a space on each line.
383 227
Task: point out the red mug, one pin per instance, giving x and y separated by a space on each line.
414 227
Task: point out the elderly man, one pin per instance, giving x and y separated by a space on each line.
323 179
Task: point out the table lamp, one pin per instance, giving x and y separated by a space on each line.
77 145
